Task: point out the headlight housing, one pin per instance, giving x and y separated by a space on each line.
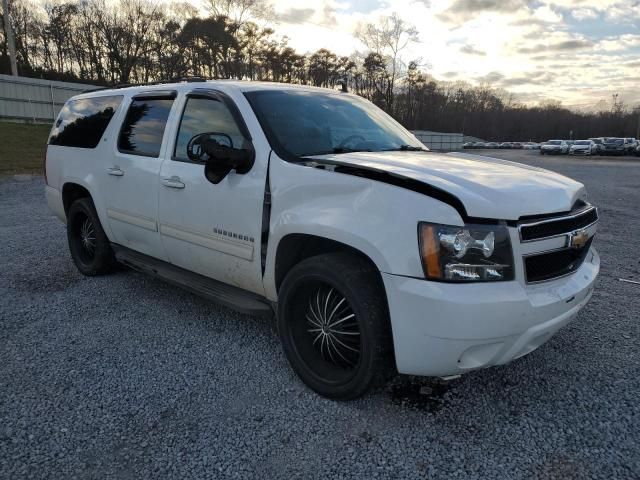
472 253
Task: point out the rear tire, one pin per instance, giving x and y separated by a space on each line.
89 246
334 325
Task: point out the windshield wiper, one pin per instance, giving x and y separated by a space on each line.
406 148
348 150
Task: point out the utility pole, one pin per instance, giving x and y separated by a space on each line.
8 30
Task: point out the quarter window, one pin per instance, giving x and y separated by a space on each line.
205 115
82 122
143 128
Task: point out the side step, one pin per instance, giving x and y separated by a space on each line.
227 295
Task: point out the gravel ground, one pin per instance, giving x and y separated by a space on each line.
126 377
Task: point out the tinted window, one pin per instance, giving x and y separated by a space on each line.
82 122
143 127
205 115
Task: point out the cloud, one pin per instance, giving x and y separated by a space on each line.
296 15
540 77
584 14
471 50
619 43
475 6
491 78
566 45
463 10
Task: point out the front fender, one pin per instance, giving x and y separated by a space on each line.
378 219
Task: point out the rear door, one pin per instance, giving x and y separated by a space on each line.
131 175
213 229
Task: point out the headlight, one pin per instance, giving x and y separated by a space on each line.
473 253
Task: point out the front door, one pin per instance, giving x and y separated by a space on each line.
212 229
131 175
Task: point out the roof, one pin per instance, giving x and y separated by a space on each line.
238 85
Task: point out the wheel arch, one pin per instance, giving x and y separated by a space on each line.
72 191
295 247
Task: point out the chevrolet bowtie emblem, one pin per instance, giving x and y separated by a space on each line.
578 239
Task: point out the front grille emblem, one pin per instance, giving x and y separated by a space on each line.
578 239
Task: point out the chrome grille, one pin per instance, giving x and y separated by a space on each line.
554 264
552 227
547 265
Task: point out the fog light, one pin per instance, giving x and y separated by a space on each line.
464 271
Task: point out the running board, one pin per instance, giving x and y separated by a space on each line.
227 295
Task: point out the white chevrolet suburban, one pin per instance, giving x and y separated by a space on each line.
376 254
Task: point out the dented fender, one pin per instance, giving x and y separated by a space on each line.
378 219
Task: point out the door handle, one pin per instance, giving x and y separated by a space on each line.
173 182
115 171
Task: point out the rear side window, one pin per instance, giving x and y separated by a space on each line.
82 122
143 128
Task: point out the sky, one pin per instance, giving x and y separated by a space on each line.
579 52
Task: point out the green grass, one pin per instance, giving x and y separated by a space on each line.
22 147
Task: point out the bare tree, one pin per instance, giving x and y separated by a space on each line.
241 10
388 38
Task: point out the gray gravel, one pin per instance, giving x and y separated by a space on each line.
127 377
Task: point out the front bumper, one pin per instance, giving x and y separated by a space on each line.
442 329
613 150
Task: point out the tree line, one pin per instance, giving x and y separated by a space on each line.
140 41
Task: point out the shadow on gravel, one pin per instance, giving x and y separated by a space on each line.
423 394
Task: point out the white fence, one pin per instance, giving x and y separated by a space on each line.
35 100
446 142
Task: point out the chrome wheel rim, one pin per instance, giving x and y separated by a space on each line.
333 327
88 236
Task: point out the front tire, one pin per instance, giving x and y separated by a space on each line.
334 326
89 246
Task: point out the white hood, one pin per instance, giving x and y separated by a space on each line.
487 187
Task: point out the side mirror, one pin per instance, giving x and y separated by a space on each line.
217 152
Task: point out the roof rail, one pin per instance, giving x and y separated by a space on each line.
147 84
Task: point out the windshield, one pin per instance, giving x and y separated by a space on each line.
303 123
583 142
553 142
615 141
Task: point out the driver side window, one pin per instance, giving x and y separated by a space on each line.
205 115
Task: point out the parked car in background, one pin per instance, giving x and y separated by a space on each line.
556 147
638 151
599 141
614 146
516 145
583 147
630 145
492 145
531 146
